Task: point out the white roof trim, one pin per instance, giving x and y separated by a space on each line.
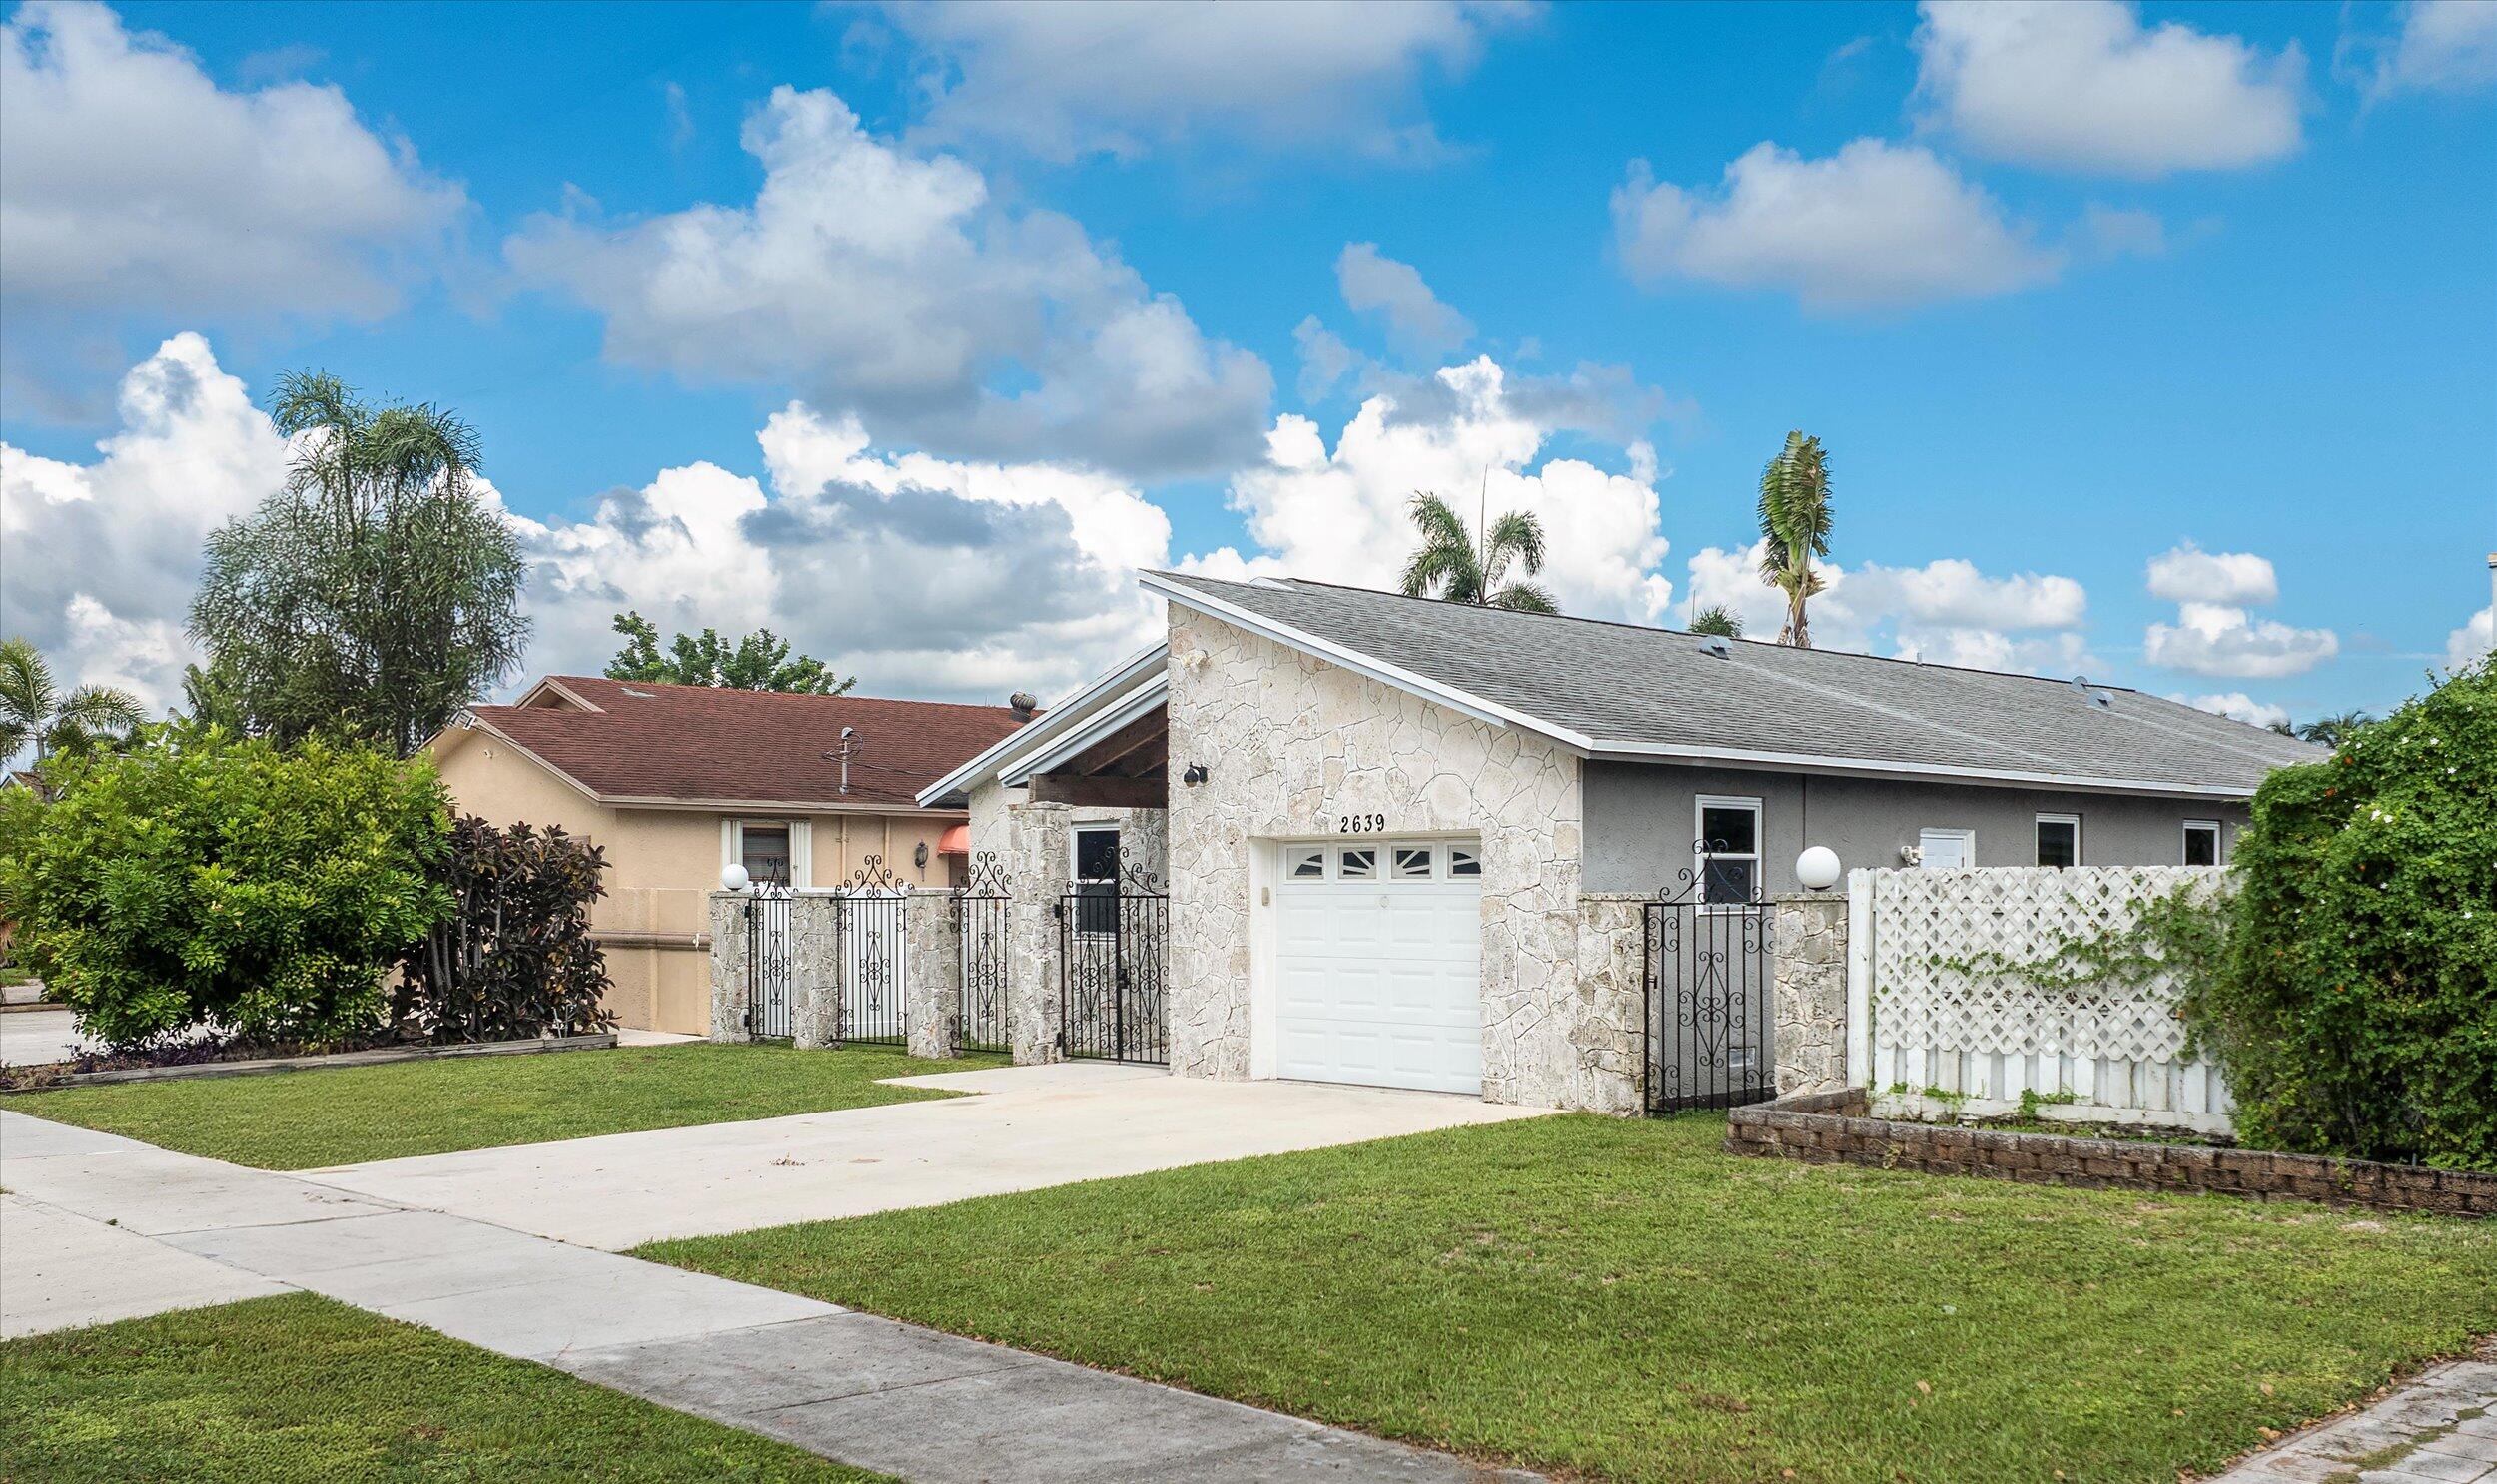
1147 667
1490 713
1143 701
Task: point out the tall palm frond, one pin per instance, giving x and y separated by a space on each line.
32 709
1795 529
1449 566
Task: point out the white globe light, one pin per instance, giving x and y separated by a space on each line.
1817 868
733 876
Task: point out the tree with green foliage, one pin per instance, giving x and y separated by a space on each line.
36 712
378 593
203 879
1719 620
759 661
2334 731
515 957
2355 1004
1795 529
1449 566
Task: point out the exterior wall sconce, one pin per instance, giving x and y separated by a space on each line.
918 857
1195 774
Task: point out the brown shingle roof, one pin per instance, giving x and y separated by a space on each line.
690 742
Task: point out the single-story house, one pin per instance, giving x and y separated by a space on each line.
676 782
1382 819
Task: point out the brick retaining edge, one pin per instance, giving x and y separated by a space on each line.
1836 1129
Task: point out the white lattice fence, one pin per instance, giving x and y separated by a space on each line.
2117 1048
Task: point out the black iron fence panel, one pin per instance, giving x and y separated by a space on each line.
1113 954
870 959
1710 970
983 917
767 960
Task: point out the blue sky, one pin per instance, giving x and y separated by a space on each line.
2159 342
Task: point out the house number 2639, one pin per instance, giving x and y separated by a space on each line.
1361 824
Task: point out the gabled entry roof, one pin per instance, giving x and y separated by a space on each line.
1618 690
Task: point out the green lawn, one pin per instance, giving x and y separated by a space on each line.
301 1389
306 1119
1623 1300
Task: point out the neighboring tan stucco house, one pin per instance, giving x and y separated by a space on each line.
675 782
1389 826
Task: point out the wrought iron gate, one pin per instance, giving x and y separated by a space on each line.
1114 952
1710 1041
982 918
870 959
767 960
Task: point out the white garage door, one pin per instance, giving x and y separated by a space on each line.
1378 964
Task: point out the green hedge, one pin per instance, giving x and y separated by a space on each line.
204 879
2355 1007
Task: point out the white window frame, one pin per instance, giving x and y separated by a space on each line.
733 840
1701 855
2220 839
2036 845
1966 839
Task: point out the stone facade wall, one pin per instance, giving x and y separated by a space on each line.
728 966
1038 870
814 970
1608 1015
931 926
1294 744
1143 834
1830 1128
1808 1001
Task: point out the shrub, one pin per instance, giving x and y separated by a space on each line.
514 957
2355 1005
204 879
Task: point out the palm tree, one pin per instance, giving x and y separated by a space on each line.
1449 566
32 709
2334 731
1717 619
1795 529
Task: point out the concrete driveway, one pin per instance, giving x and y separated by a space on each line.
31 1036
1025 1127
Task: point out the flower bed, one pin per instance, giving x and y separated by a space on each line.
217 1056
1834 1127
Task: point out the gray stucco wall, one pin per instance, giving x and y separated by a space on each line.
1640 822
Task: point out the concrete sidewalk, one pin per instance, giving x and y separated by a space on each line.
892 1397
1029 1126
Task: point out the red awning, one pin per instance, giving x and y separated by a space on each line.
955 841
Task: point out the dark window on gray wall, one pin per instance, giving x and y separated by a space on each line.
2202 842
1729 850
2059 839
1097 880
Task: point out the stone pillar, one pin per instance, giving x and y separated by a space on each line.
728 966
814 970
931 919
1808 1001
1608 1026
1038 869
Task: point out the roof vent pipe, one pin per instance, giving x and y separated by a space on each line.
1023 705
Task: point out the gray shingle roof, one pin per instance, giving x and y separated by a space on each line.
1627 687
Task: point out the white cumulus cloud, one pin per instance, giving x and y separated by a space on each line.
2214 634
2083 84
888 282
1943 612
2439 46
1067 77
1417 321
2236 705
1876 224
1339 515
2476 637
102 557
2189 574
129 181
